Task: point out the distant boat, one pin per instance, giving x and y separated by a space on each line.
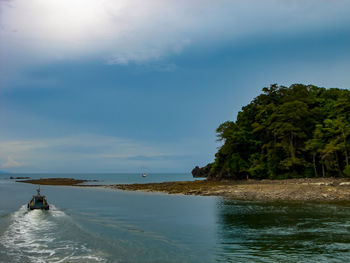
144 175
38 202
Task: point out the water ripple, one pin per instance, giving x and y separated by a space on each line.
45 236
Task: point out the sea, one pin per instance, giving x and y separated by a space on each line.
105 225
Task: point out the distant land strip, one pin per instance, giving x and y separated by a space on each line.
303 189
54 181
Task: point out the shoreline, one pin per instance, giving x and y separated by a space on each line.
303 189
319 189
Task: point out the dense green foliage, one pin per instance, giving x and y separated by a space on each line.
287 132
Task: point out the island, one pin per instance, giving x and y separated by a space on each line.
289 143
301 131
54 181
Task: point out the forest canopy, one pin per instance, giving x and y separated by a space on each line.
287 132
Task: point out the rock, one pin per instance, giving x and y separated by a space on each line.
201 172
221 175
319 183
207 172
20 177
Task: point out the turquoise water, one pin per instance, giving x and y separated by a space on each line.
102 225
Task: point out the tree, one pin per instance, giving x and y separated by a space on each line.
301 130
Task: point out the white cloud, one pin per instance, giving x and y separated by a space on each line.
11 163
137 31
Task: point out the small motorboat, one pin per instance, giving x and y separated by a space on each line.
38 202
144 175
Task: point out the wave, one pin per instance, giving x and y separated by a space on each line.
46 236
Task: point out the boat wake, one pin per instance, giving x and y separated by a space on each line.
45 236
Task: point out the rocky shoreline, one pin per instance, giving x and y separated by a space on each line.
310 189
319 189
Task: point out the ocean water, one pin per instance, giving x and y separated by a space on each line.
104 225
119 178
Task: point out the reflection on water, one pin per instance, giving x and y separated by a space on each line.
275 232
101 225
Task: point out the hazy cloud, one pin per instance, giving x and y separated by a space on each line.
88 151
11 163
135 31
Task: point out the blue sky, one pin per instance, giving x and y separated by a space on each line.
134 86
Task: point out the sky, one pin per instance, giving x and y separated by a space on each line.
122 86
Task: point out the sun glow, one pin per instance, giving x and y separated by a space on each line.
74 19
67 20
137 31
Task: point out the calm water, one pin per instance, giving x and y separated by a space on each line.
101 225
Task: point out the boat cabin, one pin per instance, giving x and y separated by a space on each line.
38 202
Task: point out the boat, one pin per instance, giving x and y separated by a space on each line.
144 175
38 202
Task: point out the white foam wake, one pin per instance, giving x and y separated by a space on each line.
45 236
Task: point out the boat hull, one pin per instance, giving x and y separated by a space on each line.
38 202
33 207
